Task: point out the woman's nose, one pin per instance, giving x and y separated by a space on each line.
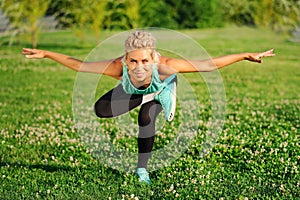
139 65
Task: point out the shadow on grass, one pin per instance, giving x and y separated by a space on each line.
45 167
59 167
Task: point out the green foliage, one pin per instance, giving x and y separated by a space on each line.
238 11
156 14
210 14
196 14
279 15
132 10
128 14
116 16
80 15
88 15
24 16
59 8
80 11
96 17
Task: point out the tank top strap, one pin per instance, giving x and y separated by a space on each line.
155 85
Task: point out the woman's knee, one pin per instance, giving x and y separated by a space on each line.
144 119
148 113
102 109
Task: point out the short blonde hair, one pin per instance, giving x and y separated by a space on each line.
141 40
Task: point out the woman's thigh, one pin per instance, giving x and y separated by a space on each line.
116 102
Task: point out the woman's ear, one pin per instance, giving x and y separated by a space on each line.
155 56
123 59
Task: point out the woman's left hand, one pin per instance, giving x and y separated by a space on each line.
257 57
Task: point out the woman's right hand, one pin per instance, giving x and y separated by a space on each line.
33 53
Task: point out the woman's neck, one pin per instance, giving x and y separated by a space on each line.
139 84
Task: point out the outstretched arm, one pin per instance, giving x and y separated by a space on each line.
111 67
230 59
183 66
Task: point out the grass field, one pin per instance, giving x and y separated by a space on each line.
257 155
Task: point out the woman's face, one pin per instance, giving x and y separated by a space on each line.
139 63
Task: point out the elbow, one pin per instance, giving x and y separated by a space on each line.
208 69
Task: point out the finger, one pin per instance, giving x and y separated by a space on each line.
30 56
266 54
26 51
270 52
270 55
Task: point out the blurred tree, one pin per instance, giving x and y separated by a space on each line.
80 15
75 13
24 16
96 16
15 25
211 14
238 11
121 14
59 9
132 10
196 14
280 15
156 13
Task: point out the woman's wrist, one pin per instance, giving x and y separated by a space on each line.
45 54
246 56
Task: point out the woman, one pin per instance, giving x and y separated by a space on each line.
147 79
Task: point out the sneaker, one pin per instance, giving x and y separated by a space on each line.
167 98
143 175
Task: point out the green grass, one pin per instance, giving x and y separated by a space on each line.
256 157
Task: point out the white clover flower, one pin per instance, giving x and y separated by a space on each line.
171 188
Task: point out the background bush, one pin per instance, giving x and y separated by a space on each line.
82 15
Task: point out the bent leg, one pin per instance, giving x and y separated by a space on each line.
116 102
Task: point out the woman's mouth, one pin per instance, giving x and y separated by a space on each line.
139 74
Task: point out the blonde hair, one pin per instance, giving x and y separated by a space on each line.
141 40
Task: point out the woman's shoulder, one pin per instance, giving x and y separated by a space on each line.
115 68
165 68
163 60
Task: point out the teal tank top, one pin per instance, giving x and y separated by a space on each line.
155 85
166 90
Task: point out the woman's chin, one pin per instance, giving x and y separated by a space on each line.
139 77
140 80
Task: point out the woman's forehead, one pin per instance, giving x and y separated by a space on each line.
139 54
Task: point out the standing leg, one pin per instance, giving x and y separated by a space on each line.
146 119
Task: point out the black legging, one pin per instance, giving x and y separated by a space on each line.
117 102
